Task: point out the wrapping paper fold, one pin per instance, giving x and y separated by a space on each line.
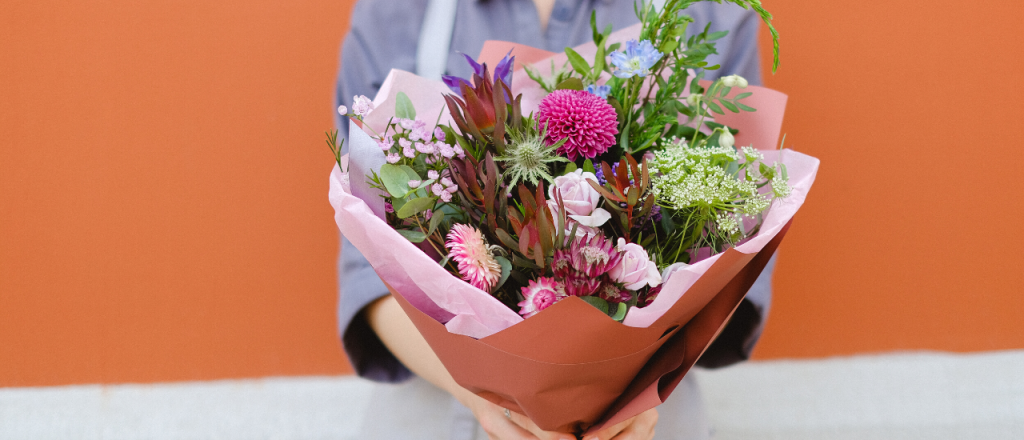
569 368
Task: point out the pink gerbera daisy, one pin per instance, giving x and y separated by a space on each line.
587 122
539 295
473 255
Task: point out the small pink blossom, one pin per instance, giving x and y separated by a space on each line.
409 152
445 150
459 152
425 148
635 269
342 110
362 106
439 134
404 143
437 189
446 197
446 181
415 183
540 294
433 174
394 158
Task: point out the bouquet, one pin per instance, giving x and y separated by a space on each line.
570 238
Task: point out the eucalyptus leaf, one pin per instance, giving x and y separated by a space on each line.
413 236
415 206
506 269
435 221
403 106
599 303
395 180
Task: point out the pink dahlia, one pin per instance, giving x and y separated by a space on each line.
470 250
539 295
586 122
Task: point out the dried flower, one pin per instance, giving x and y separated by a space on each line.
469 249
587 123
539 295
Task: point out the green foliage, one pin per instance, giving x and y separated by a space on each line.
403 107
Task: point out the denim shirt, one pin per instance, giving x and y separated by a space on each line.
384 34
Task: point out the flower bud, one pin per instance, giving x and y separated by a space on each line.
342 110
693 99
734 81
726 139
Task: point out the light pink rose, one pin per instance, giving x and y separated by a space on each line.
635 268
579 199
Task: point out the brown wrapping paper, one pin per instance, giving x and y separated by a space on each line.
574 369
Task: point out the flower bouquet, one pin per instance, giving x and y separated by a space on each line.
569 243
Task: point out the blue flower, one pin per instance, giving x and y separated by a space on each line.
637 59
600 91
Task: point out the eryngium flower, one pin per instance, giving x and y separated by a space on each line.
637 59
586 122
527 158
473 255
539 295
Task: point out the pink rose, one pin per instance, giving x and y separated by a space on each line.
635 268
579 199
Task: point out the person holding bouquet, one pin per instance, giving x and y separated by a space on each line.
380 340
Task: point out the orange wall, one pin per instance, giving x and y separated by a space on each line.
163 190
911 237
163 180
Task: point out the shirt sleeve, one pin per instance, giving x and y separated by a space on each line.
380 37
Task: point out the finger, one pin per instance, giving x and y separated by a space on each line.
642 427
541 434
499 427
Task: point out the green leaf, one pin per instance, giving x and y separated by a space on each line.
730 106
578 63
395 180
403 106
598 62
742 95
715 108
669 45
588 166
413 236
717 35
570 168
620 314
415 206
614 47
599 303
745 107
571 84
506 269
435 220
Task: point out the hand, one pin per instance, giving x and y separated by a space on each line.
640 427
514 427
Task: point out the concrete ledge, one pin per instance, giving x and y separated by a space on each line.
896 396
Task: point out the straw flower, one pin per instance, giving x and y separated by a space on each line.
473 255
539 295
